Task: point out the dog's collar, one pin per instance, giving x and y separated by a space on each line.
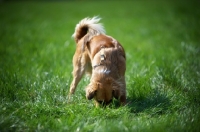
97 65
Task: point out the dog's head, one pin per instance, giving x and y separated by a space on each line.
103 92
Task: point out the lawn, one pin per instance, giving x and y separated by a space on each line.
162 44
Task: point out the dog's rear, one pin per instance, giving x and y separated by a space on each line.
90 39
88 28
85 30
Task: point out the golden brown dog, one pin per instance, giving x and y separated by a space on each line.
104 58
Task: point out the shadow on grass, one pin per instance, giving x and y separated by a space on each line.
156 103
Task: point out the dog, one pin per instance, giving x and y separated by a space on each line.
103 57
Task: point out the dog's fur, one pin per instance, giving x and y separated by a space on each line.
104 58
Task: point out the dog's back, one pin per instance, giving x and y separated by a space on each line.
105 41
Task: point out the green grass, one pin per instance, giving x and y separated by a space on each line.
162 44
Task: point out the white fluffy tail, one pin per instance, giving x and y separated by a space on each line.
89 27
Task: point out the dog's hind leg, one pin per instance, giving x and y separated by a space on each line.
79 64
77 75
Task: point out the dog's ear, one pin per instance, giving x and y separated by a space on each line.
116 93
90 91
116 90
91 95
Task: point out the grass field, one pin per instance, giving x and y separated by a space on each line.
162 44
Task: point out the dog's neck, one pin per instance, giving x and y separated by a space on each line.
100 73
102 70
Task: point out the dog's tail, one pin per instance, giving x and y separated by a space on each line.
89 27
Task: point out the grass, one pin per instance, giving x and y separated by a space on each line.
161 39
